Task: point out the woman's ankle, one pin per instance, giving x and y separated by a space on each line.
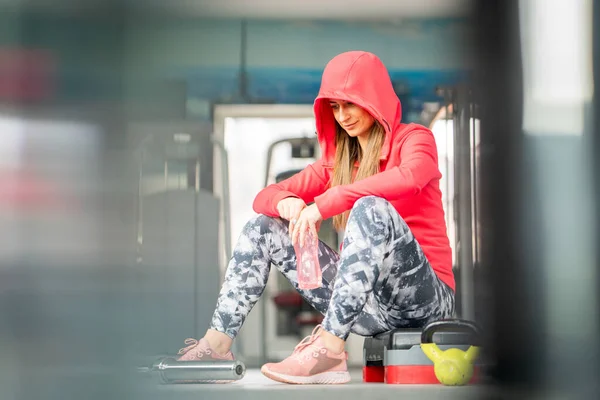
332 343
218 341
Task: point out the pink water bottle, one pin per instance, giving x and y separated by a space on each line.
308 268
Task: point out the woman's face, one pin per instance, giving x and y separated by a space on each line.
356 121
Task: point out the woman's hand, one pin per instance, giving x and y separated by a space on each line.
289 208
309 219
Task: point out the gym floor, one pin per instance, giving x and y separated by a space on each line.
255 386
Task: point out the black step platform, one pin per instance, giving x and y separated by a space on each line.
396 356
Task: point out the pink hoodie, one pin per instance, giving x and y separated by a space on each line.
409 177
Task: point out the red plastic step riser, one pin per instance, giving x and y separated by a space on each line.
373 374
405 374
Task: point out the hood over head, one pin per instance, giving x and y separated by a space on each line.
361 78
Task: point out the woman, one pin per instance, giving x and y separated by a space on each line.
379 180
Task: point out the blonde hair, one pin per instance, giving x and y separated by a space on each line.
347 153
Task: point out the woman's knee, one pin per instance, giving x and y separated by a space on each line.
372 206
368 202
376 215
261 219
264 223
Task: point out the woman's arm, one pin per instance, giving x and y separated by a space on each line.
306 185
417 168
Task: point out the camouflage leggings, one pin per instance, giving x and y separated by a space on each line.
381 280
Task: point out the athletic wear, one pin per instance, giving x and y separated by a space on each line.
381 281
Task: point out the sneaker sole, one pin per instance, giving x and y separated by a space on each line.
327 378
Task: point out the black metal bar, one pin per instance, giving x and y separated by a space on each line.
462 160
510 335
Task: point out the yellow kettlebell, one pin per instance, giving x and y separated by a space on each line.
452 367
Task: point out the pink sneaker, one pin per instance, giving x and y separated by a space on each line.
199 350
310 363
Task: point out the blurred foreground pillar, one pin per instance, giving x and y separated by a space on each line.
540 226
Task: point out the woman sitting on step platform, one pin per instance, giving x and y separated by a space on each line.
379 180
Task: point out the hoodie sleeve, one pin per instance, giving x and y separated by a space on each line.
417 168
306 184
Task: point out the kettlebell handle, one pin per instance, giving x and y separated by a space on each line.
451 325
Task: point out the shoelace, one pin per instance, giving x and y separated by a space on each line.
306 342
190 344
